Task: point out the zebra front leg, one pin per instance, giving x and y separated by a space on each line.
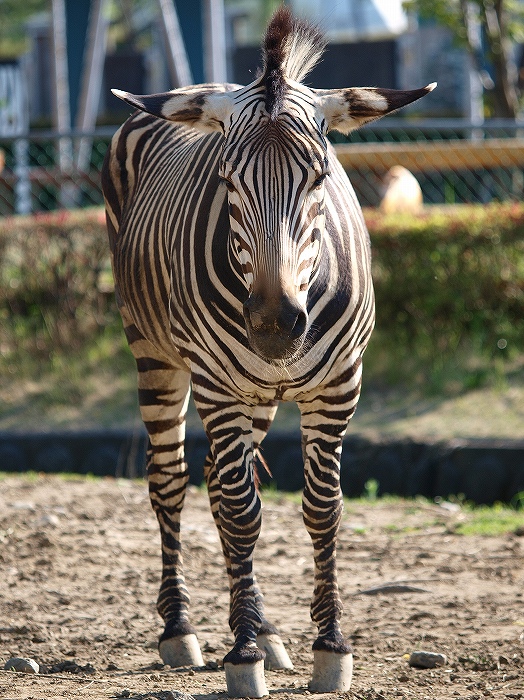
229 428
322 510
163 396
268 638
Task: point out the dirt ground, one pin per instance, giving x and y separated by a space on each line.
80 570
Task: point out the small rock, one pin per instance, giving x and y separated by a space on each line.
21 665
450 507
177 695
427 659
22 505
47 520
125 693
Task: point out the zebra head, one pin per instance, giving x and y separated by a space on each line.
275 165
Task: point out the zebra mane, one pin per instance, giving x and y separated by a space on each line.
291 49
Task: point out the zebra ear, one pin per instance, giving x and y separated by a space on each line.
348 109
203 107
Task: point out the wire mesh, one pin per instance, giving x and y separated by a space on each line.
454 162
45 171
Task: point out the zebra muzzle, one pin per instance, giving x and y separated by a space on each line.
276 328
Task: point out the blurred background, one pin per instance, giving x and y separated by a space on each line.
60 58
441 184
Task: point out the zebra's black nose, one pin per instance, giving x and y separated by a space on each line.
276 327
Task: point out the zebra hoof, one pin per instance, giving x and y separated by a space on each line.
331 672
246 680
181 651
276 655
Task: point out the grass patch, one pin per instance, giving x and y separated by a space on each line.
270 493
489 521
92 386
395 515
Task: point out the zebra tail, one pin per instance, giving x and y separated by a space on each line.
259 459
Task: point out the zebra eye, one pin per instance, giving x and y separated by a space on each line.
230 186
315 235
318 182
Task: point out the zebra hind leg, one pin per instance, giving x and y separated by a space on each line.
268 638
236 501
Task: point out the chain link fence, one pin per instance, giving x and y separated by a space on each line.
454 162
46 171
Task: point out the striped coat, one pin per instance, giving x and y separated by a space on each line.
242 269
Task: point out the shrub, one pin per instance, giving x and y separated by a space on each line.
446 279
52 269
451 277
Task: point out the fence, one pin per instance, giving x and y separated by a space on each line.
45 171
454 161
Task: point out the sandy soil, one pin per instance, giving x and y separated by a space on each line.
80 570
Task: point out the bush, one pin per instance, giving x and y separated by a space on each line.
450 278
52 269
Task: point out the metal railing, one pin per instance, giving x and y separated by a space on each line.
454 161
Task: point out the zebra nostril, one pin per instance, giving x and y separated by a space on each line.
292 318
255 319
252 314
300 325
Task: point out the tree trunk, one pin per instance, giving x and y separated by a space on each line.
493 19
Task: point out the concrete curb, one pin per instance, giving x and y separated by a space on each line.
483 471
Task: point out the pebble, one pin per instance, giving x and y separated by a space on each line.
427 659
47 520
21 665
177 695
22 505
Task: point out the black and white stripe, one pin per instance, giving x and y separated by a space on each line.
242 267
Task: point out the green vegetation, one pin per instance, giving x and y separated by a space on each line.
395 515
450 303
371 490
450 296
500 24
53 281
489 521
62 345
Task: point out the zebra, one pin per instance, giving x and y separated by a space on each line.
242 272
